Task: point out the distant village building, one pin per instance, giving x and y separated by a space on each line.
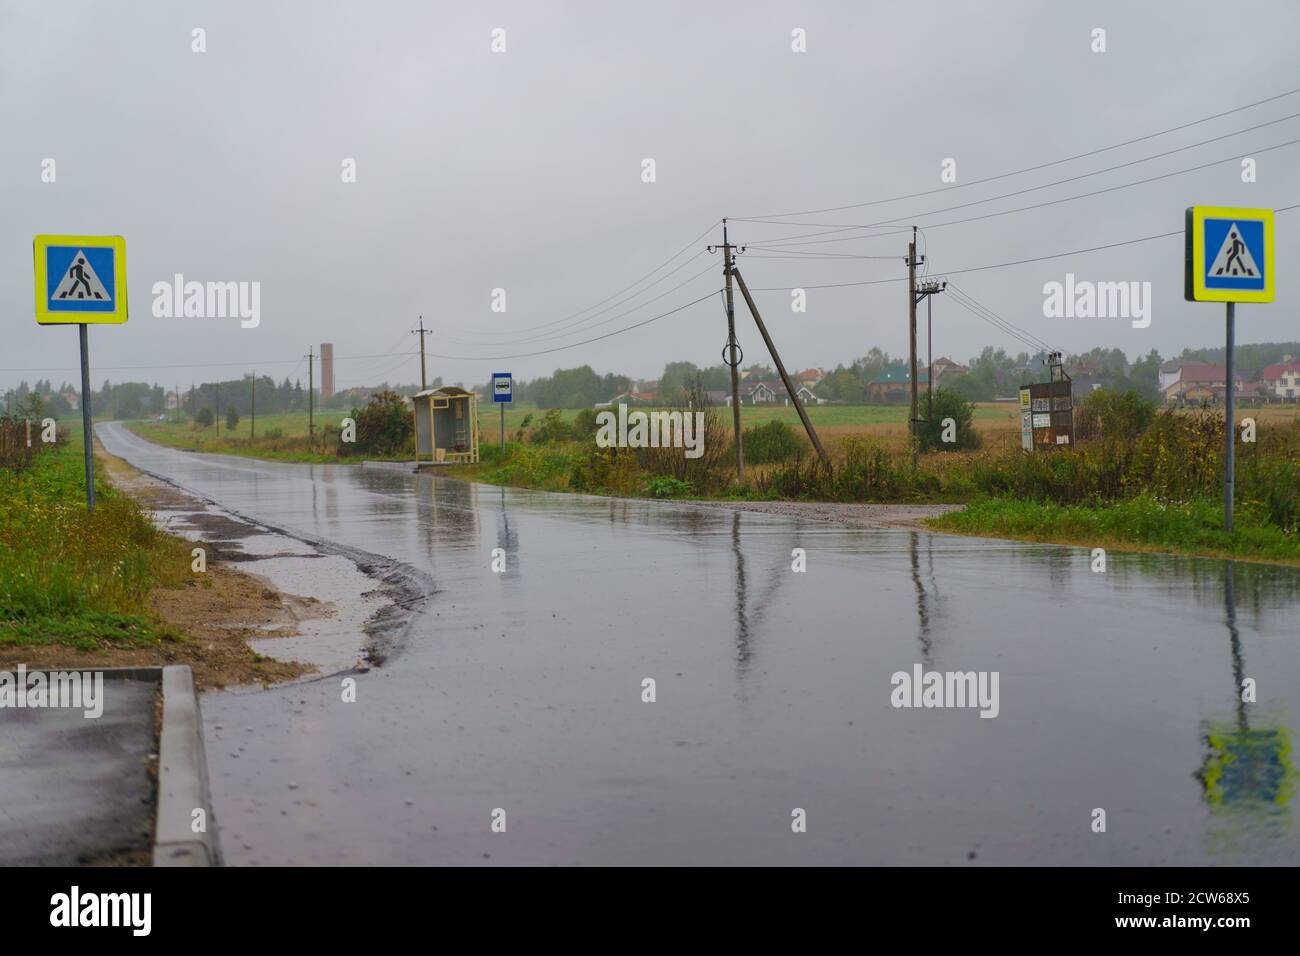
71 396
1197 382
894 384
1281 380
945 369
1085 377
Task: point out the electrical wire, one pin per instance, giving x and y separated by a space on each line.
1030 169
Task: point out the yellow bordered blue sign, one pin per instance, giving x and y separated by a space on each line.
1229 254
80 279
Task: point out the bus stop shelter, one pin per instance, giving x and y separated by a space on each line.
446 426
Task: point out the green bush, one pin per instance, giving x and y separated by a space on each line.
384 427
944 405
774 441
666 486
553 428
205 418
1115 416
232 417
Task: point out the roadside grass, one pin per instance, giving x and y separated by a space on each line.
277 438
77 579
1142 523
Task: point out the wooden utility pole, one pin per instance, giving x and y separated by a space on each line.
311 384
252 414
217 417
422 332
911 340
730 352
785 379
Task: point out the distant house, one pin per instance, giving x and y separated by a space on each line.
894 384
1281 380
1195 382
807 397
761 393
1084 377
945 368
620 398
718 397
72 398
810 377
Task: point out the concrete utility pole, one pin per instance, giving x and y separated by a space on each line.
731 351
311 371
217 417
926 290
252 411
422 332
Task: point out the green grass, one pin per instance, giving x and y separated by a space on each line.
277 438
68 577
1141 523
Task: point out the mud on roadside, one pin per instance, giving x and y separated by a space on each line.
241 622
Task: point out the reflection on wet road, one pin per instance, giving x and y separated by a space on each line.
522 691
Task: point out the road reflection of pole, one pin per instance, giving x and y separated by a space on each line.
922 598
507 540
742 623
1245 773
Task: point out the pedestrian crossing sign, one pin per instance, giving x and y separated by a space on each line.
80 279
1228 254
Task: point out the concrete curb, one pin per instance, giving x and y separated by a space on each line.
182 778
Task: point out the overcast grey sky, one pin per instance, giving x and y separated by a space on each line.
522 170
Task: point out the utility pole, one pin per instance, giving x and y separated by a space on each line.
731 353
311 421
926 290
911 339
780 367
422 332
217 417
252 414
178 403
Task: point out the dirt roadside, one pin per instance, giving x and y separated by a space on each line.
210 621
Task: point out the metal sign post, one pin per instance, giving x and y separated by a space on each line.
502 394
1228 256
88 435
1229 431
81 280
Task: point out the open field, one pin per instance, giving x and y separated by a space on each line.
283 437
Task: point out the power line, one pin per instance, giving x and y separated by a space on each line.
962 297
560 333
999 265
1030 169
580 312
768 244
561 348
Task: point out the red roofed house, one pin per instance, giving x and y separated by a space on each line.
1282 380
1195 382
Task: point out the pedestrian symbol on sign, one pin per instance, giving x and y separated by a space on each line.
1234 257
80 281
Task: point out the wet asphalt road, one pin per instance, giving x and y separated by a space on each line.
522 691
